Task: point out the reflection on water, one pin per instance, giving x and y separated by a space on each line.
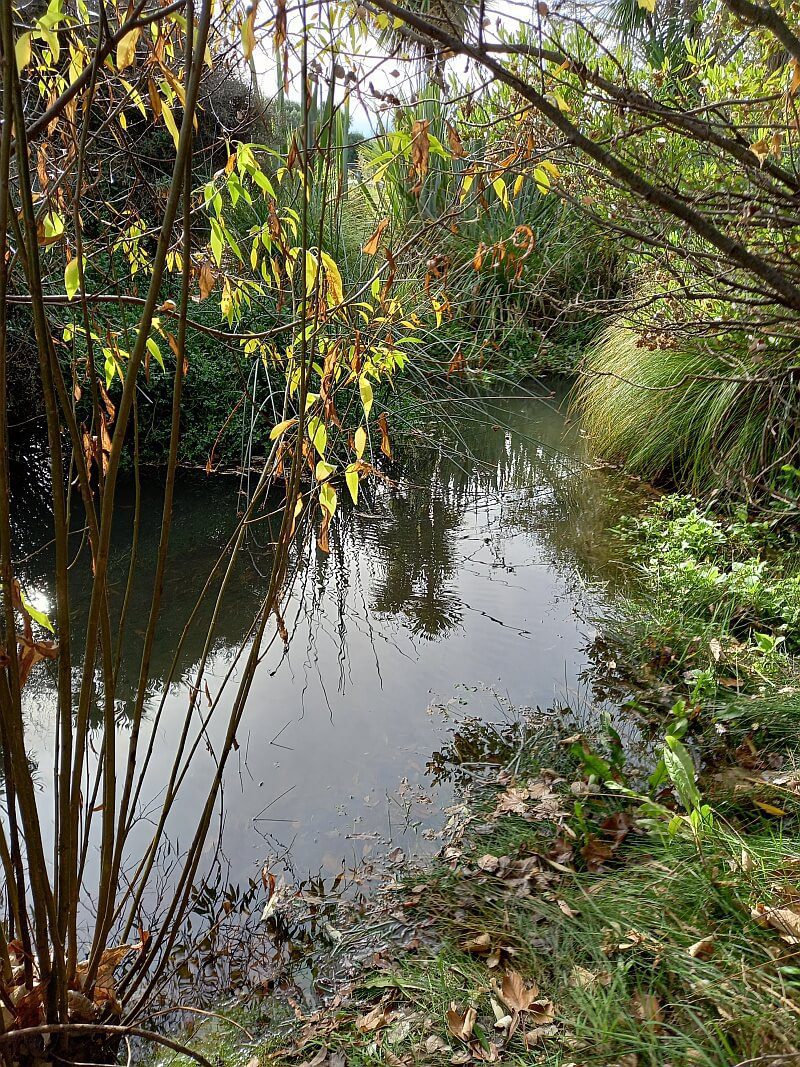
475 569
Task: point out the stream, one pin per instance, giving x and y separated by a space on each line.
468 585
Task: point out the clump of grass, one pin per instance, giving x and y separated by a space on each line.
692 413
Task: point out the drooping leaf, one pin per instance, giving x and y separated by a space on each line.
22 51
35 614
360 441
169 122
248 31
365 389
281 428
334 280
351 478
373 242
126 49
71 278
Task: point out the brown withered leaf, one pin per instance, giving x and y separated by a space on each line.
29 1008
383 426
785 920
30 652
372 243
207 280
489 863
582 978
514 802
515 993
111 958
108 403
279 38
434 1044
647 1008
596 852
80 1008
379 1017
618 826
454 141
703 949
458 363
420 148
460 1024
478 946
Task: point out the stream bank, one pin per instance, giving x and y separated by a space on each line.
616 889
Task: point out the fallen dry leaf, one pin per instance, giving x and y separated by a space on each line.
515 993
488 863
514 802
434 1044
478 946
596 852
460 1024
702 949
785 920
582 978
375 1019
647 1008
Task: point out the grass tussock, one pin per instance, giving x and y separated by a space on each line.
691 413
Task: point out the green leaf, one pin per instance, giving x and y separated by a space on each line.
680 768
72 277
35 614
318 434
155 352
217 241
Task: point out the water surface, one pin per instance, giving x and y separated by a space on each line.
474 574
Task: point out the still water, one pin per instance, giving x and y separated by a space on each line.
466 583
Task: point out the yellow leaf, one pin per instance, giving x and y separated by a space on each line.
647 5
366 395
770 809
360 441
327 497
351 477
126 49
169 122
760 149
318 434
499 187
22 50
281 428
248 30
71 278
334 280
324 470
